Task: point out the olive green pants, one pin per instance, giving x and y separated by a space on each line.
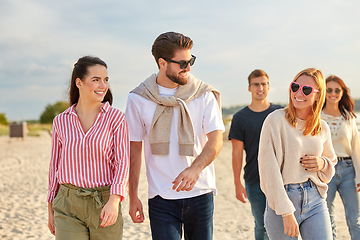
77 214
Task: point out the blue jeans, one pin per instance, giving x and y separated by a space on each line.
344 182
311 214
257 201
195 215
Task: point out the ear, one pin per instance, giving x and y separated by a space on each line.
162 62
78 83
249 88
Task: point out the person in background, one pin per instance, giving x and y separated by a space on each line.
338 112
296 161
89 163
244 135
178 119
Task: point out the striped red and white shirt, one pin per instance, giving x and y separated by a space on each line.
99 157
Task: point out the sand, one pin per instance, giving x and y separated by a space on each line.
23 188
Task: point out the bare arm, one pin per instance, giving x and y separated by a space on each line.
51 225
237 161
135 209
186 180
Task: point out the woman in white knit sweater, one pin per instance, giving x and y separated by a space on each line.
296 160
338 113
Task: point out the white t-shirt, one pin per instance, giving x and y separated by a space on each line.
161 170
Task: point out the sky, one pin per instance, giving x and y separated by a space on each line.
40 41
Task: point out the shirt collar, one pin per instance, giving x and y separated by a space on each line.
104 108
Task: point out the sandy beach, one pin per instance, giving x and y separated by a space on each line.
23 188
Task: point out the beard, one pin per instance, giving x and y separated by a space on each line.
175 78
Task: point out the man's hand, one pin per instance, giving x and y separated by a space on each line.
136 210
240 193
291 227
187 179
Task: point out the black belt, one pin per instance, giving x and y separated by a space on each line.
344 158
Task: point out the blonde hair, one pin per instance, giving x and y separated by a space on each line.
312 122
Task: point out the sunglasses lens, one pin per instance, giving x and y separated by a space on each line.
307 90
337 91
329 90
192 60
294 87
184 65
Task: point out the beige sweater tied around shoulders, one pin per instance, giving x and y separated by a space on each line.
161 123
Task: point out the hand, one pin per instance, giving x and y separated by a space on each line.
312 163
187 179
136 210
240 193
291 227
51 225
110 212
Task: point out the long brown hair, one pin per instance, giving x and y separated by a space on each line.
312 122
80 71
346 103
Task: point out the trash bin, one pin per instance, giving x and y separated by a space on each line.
18 130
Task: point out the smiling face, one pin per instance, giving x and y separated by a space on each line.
259 88
174 72
303 104
333 97
94 86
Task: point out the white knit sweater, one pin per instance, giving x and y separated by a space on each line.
281 147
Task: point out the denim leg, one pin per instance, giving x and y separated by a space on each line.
257 201
314 219
310 212
349 197
198 217
332 188
165 218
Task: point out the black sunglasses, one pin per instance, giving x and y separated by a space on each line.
336 90
183 64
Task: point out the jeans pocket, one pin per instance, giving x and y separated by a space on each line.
348 163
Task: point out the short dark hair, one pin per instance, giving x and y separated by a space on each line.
80 71
257 73
166 44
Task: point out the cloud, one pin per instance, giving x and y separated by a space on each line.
43 39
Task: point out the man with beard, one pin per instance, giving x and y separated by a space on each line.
178 118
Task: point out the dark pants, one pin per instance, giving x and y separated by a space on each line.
257 201
195 215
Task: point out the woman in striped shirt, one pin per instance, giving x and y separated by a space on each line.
89 164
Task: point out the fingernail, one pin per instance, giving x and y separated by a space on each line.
306 169
301 158
305 155
300 161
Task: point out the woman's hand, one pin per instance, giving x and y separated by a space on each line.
51 225
110 212
312 163
291 227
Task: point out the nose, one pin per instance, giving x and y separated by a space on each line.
103 84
